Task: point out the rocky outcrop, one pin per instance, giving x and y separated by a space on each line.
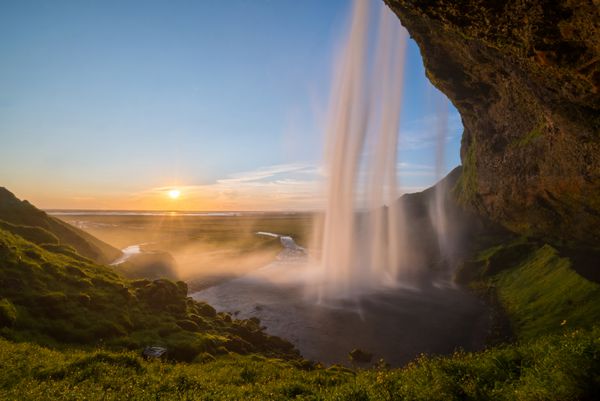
525 77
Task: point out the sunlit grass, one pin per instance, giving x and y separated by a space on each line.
542 294
53 298
558 367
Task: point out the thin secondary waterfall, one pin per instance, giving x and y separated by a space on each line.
437 210
363 229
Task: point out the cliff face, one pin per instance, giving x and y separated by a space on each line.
525 77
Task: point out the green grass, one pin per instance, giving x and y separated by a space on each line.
559 367
73 330
536 289
37 235
205 249
542 294
53 298
93 324
40 228
171 232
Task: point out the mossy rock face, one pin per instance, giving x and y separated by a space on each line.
359 356
204 309
525 77
188 325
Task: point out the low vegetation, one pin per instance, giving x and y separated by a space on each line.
40 228
201 250
542 294
52 298
536 288
557 367
72 329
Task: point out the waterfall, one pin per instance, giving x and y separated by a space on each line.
437 212
362 232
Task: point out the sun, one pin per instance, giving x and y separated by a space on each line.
174 193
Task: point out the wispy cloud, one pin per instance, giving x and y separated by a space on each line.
280 186
422 134
405 169
268 172
277 187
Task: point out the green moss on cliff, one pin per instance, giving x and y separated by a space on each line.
535 133
466 188
519 72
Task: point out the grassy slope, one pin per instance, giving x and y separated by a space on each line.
91 316
62 298
559 367
22 213
537 288
542 294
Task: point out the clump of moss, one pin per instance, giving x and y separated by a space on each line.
8 313
528 138
466 188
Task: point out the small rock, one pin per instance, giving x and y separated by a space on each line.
154 352
360 356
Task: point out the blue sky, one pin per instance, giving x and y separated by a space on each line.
107 104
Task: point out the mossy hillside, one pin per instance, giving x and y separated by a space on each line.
543 294
558 367
59 299
51 230
536 288
37 235
491 254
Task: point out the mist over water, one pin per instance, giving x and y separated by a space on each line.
363 235
367 249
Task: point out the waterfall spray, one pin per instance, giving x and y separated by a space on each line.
363 239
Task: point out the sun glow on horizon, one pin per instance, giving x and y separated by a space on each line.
174 193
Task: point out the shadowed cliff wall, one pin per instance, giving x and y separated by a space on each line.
525 77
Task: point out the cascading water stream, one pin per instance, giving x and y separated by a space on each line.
363 248
437 210
362 240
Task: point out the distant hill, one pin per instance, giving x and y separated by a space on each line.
44 229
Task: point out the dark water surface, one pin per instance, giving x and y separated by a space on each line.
394 324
